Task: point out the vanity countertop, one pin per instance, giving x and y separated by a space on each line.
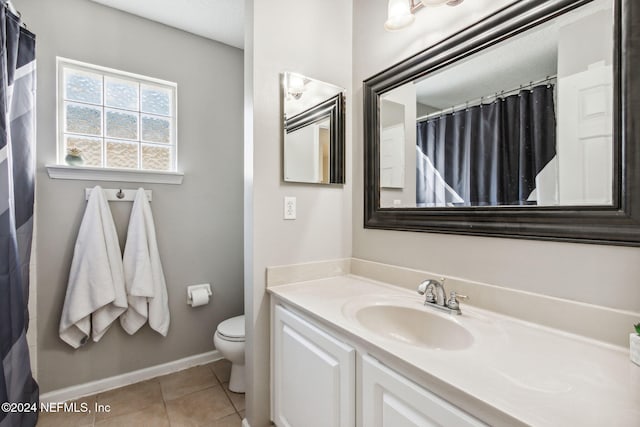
513 370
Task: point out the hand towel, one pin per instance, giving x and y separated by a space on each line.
144 278
95 291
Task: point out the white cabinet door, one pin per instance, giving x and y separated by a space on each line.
313 375
391 400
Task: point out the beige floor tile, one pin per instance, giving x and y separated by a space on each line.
151 416
222 369
242 414
199 409
232 420
187 382
132 398
236 398
73 418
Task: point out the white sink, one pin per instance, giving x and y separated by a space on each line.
418 326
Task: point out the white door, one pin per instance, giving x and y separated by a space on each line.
392 146
313 375
391 400
585 130
302 155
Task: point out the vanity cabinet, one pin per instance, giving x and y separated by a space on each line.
314 383
391 400
313 375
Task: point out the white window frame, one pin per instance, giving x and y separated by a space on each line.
60 170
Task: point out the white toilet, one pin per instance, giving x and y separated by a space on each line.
229 341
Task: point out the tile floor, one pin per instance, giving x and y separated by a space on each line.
194 397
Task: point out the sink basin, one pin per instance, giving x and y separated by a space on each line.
414 326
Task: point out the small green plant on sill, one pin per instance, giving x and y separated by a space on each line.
637 328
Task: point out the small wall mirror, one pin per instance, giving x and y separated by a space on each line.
313 130
519 126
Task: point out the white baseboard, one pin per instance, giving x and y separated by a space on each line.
93 387
245 423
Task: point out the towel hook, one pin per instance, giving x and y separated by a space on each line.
120 194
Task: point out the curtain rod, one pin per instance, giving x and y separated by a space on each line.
9 5
480 100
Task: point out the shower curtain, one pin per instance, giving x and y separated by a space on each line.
17 143
487 155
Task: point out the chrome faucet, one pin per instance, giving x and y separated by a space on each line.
436 296
427 288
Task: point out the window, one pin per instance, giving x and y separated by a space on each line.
115 119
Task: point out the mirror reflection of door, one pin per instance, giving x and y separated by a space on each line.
397 152
585 118
392 143
324 140
392 156
307 153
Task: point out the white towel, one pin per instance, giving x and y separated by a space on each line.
144 279
95 292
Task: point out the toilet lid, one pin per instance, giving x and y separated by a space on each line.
232 328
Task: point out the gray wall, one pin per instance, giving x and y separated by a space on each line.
588 31
199 223
596 274
316 44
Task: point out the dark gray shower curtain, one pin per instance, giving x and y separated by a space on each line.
17 142
487 155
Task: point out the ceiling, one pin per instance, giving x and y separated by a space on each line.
528 57
220 20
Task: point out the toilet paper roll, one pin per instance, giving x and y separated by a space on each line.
199 297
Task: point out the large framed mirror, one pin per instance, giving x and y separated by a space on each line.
313 130
523 125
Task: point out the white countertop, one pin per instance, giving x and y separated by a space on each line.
536 375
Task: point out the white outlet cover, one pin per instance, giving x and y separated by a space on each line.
289 207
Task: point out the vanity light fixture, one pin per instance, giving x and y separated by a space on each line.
401 13
295 85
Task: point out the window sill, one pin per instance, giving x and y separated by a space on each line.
102 174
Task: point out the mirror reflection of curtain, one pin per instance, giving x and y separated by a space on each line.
486 155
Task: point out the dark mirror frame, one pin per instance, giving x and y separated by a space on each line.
333 108
618 224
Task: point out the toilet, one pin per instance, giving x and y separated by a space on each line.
229 341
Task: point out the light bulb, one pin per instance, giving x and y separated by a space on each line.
398 15
295 86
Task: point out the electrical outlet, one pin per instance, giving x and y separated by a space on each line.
289 207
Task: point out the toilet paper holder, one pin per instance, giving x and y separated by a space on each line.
193 288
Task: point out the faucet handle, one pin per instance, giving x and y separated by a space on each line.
453 302
429 297
426 288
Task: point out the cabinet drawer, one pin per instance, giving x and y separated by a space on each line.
391 400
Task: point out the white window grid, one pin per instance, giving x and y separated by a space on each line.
65 63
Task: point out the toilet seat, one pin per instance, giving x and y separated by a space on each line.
232 329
